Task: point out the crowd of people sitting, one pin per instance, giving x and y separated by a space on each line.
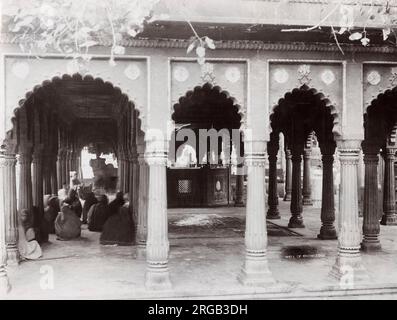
65 214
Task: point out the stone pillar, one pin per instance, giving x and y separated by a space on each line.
67 167
389 191
53 175
4 281
371 227
288 175
127 172
120 172
135 185
47 172
327 230
25 200
59 165
272 150
348 265
255 270
239 202
307 188
157 247
142 207
9 191
37 182
296 220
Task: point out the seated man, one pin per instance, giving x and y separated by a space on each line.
51 212
74 202
119 228
28 246
67 224
90 200
63 193
98 214
116 204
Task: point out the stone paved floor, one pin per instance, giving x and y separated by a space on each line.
202 267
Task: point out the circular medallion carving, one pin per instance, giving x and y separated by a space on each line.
373 78
181 74
281 75
20 70
232 74
132 71
328 77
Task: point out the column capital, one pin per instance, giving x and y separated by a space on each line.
372 158
156 158
307 153
389 152
7 160
349 146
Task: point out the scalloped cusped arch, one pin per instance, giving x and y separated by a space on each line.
208 106
308 108
380 118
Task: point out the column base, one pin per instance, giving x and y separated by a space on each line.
13 257
273 214
141 251
5 286
389 220
296 222
255 271
348 269
287 197
327 233
239 204
307 202
371 243
157 277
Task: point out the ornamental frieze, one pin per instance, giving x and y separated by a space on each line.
325 77
229 76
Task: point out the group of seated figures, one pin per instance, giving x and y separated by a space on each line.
64 215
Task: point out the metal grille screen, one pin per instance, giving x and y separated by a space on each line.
185 186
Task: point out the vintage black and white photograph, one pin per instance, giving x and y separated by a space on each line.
198 150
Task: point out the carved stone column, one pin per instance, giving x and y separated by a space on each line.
126 181
25 200
121 172
255 270
157 248
371 227
142 207
389 192
239 202
296 220
307 188
348 262
67 167
53 175
4 281
135 185
47 172
37 181
60 170
272 150
288 175
328 230
9 191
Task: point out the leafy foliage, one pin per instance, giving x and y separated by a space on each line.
73 26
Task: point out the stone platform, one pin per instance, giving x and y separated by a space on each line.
204 267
